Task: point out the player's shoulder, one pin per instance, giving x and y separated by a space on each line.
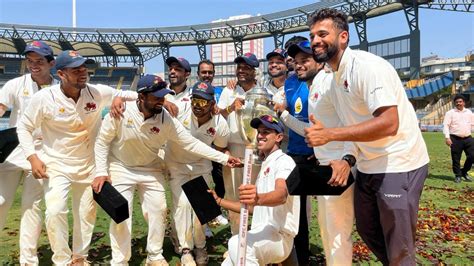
17 82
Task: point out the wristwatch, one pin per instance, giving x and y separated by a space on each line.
350 159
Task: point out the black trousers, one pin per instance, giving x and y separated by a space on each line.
459 145
218 179
302 238
386 211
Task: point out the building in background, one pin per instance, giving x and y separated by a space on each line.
223 55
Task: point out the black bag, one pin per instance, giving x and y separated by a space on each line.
8 142
311 179
113 203
203 203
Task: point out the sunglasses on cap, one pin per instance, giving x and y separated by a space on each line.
269 118
197 102
305 44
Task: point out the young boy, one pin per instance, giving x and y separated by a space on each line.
275 214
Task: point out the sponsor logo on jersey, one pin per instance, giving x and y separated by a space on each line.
129 123
298 106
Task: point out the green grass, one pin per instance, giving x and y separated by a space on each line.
445 228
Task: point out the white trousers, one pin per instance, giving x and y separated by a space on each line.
188 229
56 189
233 178
264 245
336 220
153 201
11 171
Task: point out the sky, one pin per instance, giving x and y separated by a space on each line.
444 33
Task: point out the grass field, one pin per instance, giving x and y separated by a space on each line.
445 227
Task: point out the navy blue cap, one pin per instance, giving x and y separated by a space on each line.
204 90
40 48
249 59
154 84
181 61
277 52
268 121
71 59
304 46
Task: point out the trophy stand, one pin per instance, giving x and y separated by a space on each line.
257 103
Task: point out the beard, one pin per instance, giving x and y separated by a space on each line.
310 74
323 57
277 74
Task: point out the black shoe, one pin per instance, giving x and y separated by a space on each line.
467 177
457 179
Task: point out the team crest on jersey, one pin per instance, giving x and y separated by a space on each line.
90 107
314 96
62 110
185 99
267 171
298 106
129 123
211 131
154 130
346 86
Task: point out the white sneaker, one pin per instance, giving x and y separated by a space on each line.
222 220
187 258
208 232
200 255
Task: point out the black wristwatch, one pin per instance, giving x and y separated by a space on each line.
350 159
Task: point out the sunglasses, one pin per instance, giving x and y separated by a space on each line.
199 102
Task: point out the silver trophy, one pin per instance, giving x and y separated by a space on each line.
258 102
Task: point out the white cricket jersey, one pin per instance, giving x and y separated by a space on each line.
69 129
17 94
322 108
135 142
214 131
278 94
227 97
183 101
284 217
363 83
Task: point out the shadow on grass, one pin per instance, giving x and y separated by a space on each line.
448 178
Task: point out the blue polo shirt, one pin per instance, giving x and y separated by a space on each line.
297 92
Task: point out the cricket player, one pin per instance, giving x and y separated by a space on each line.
17 94
184 166
69 116
126 154
275 214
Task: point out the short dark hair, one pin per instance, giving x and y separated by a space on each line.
459 96
339 19
294 40
207 62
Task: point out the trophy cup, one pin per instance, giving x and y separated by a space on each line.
258 102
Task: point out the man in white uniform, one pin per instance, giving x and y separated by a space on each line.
335 213
179 71
184 166
277 70
126 155
371 102
17 94
230 101
275 214
69 116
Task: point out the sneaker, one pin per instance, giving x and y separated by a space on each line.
457 179
160 262
200 255
222 220
467 177
187 258
208 232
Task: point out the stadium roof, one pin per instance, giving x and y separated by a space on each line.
137 42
